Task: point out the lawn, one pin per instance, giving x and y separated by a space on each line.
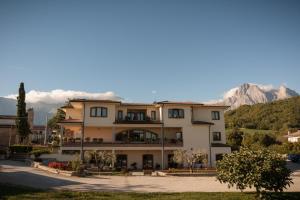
18 192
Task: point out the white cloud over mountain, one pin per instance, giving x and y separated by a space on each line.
61 96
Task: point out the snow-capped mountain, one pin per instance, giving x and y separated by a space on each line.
249 94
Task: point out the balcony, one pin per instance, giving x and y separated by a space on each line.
98 142
130 120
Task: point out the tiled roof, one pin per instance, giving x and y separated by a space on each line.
8 116
94 100
179 102
295 134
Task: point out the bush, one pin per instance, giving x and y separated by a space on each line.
58 165
18 148
76 164
261 169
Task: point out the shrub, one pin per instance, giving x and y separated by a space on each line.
75 164
18 148
261 169
57 165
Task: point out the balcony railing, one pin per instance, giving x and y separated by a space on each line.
100 143
145 120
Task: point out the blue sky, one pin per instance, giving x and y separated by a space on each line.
184 50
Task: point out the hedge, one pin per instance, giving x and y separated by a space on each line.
17 148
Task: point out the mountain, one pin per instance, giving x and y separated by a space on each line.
250 94
41 109
279 115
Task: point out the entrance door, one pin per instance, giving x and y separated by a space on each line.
148 161
121 161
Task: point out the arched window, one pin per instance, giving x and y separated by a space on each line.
137 135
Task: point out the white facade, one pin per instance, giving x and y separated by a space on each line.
144 133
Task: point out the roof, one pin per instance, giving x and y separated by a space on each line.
67 106
178 102
219 145
7 125
186 103
94 100
8 117
295 134
137 104
202 123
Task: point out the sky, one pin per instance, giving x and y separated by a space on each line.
149 50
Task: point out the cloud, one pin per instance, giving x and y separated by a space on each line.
265 87
214 102
61 96
230 93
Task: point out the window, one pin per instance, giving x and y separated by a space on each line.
215 115
176 113
136 115
153 115
217 136
120 114
137 135
98 112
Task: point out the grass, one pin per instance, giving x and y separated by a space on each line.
9 192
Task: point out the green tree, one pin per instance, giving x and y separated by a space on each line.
23 129
52 123
262 169
235 139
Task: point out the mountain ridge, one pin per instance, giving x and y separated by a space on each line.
250 94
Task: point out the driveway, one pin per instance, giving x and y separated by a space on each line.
18 173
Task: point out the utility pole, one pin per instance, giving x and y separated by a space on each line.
46 130
82 135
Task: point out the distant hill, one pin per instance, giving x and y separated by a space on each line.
41 109
279 115
250 94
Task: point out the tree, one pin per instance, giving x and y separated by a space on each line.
102 158
262 169
22 124
235 139
52 123
189 157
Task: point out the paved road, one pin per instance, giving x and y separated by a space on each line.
18 173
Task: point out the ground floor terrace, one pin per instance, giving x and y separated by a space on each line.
141 158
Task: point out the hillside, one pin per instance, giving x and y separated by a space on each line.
278 115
